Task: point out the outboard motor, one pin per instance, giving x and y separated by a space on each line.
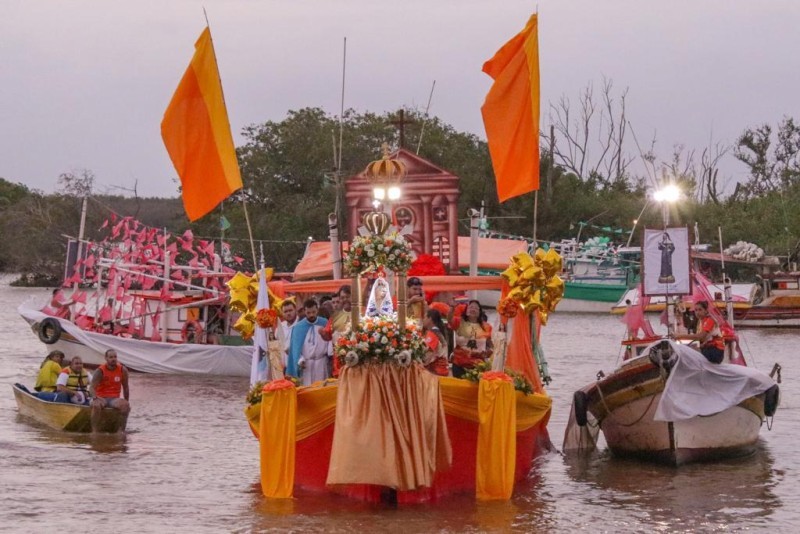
662 355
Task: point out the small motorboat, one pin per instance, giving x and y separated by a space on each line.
65 416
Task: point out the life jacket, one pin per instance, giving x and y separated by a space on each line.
110 384
76 381
710 325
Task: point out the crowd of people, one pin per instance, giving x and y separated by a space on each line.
458 336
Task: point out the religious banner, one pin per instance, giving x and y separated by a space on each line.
665 262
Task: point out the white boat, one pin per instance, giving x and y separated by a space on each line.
141 355
129 294
670 405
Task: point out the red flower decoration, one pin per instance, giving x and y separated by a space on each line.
496 375
266 318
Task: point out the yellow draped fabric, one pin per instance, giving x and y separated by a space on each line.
497 440
390 428
460 399
316 406
277 443
316 409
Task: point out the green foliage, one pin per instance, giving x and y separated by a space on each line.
291 180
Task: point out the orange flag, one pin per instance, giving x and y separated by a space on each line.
511 113
197 134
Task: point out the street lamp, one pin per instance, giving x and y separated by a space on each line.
669 194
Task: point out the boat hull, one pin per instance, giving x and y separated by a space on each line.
143 355
630 431
63 416
768 317
462 426
624 403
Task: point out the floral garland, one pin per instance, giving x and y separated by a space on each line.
379 340
368 253
520 382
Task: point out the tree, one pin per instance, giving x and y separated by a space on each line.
590 142
771 168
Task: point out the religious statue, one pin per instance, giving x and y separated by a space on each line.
380 301
667 247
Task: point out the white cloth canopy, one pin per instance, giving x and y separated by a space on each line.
698 387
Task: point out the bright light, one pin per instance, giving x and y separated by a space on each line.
376 203
670 193
636 221
379 193
394 193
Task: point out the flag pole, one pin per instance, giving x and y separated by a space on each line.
250 233
244 202
535 214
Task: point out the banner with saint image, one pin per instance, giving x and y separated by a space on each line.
665 262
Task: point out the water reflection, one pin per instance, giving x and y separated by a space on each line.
691 496
102 443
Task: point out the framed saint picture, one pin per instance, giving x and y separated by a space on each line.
666 262
403 217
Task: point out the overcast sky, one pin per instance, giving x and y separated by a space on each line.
85 83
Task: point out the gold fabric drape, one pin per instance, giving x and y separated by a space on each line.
497 440
460 399
277 441
390 428
316 409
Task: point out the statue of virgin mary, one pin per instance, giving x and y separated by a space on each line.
380 300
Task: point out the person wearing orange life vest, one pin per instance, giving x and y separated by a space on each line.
108 382
712 346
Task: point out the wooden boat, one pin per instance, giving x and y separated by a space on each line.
776 304
64 416
625 403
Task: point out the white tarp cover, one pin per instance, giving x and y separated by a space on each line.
156 357
698 387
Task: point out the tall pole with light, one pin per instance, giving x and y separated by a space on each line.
669 194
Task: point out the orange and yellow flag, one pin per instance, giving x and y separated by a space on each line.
511 113
197 134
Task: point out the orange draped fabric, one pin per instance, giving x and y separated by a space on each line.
197 134
277 441
511 113
519 355
497 440
390 428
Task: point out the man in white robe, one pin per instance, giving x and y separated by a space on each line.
308 351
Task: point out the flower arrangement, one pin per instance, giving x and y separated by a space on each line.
257 389
379 340
267 318
369 252
520 382
508 308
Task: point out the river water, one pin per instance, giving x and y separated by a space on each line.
190 463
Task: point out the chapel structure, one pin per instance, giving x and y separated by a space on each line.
428 206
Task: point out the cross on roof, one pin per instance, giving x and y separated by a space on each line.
400 124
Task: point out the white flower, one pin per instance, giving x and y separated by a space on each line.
403 358
384 340
391 256
370 253
351 359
